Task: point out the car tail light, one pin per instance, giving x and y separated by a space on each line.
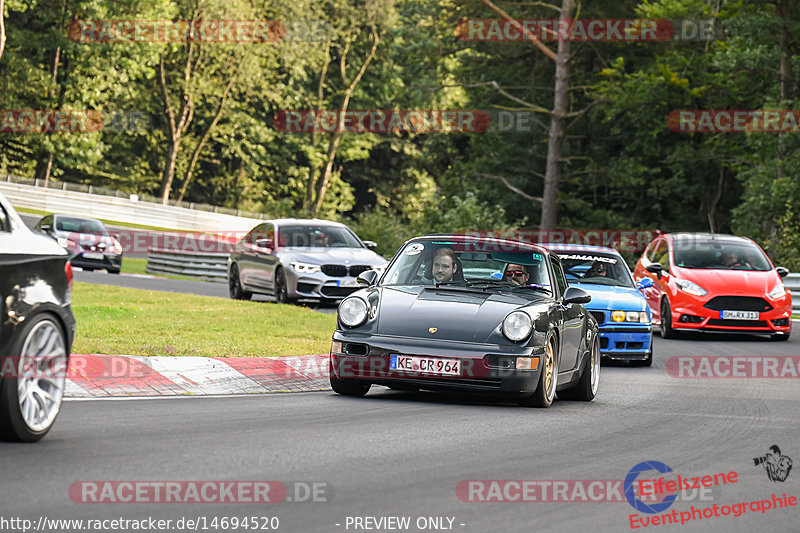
68 272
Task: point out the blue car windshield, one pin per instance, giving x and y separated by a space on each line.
453 263
595 268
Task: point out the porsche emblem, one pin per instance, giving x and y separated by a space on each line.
432 330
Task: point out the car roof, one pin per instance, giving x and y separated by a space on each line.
304 222
559 247
708 237
76 217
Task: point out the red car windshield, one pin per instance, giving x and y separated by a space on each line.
720 256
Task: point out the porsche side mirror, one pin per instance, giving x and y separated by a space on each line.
655 268
371 244
782 271
576 295
644 283
368 278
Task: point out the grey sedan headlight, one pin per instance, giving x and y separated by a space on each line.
305 268
517 326
353 312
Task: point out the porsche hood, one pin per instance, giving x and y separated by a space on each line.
444 313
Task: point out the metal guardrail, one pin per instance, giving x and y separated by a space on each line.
122 209
202 265
792 282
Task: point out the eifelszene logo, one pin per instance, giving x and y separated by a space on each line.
777 466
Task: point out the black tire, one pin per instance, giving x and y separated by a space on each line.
13 423
235 285
112 270
586 388
546 388
647 361
348 387
779 337
281 290
666 321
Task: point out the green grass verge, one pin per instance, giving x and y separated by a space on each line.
124 321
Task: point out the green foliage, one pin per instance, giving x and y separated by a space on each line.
623 167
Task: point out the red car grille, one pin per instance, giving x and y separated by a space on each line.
738 303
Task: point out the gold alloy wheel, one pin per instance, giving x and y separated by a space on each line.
549 365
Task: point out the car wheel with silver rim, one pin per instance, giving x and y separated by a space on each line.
31 397
586 388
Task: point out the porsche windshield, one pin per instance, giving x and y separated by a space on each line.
595 268
443 263
720 255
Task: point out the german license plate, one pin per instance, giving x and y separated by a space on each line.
425 365
93 255
739 315
347 283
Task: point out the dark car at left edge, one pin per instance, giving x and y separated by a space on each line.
37 328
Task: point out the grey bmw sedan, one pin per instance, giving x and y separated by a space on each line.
293 259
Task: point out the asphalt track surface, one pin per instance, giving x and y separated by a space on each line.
404 454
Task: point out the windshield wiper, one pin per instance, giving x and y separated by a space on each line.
536 287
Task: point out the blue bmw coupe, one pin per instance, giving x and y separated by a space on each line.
617 303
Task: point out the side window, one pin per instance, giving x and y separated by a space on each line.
46 221
662 255
5 224
267 231
650 249
255 234
558 272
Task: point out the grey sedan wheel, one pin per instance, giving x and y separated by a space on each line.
235 285
33 386
281 289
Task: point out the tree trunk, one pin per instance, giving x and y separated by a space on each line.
2 28
555 140
169 169
325 180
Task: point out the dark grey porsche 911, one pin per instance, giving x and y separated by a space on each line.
453 312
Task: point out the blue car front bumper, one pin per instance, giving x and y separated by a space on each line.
624 342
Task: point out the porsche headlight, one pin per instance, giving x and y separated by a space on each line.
305 268
353 312
691 288
517 326
777 292
66 243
